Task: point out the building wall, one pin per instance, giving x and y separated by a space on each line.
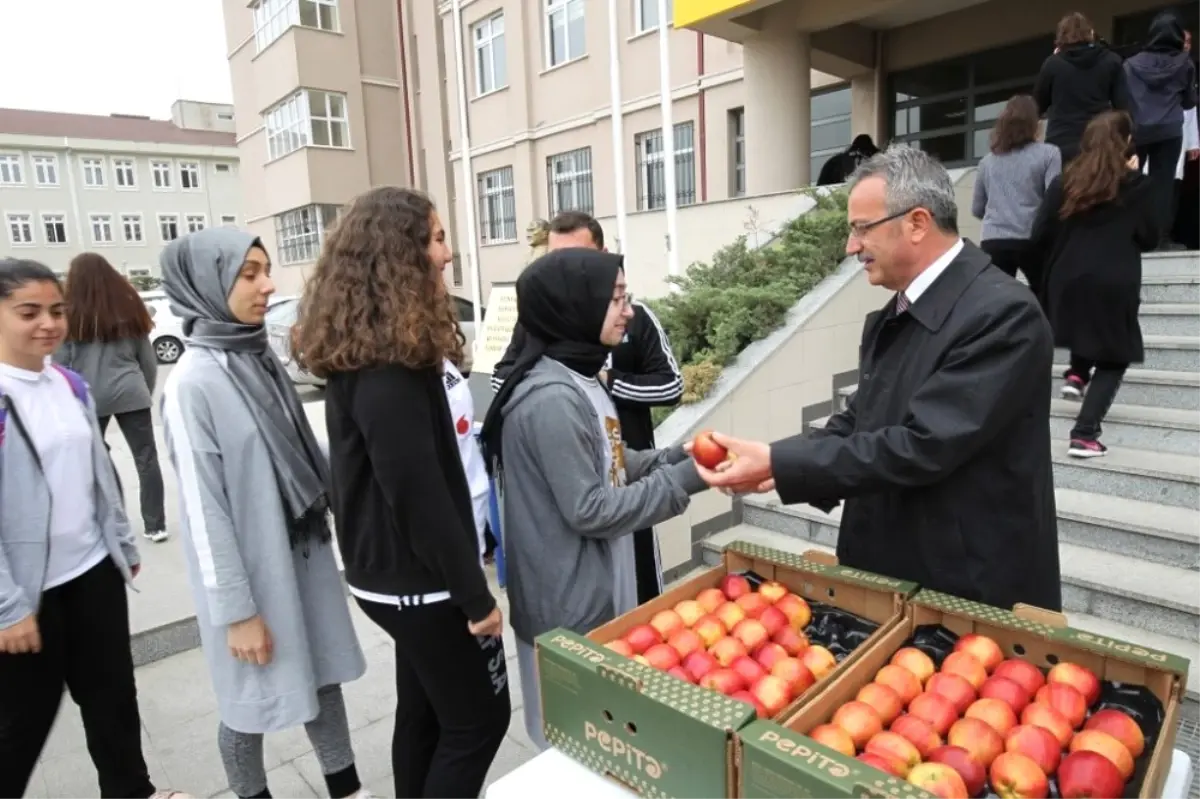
358 59
217 200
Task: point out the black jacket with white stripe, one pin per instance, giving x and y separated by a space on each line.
643 374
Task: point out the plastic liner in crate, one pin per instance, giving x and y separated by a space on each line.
1136 701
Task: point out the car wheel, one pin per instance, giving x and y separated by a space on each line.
168 349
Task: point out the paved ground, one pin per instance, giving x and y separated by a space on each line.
179 721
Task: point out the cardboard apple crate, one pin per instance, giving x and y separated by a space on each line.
663 737
778 760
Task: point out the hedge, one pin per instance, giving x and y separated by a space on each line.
745 293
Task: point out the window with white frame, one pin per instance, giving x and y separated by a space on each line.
646 12
102 228
131 229
307 118
196 222
45 170
20 229
651 178
93 172
569 181
55 226
11 169
160 173
737 152
228 219
497 206
124 173
300 232
273 17
565 31
168 226
491 69
189 176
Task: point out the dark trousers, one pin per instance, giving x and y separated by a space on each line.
1163 157
84 626
1102 380
1011 255
645 559
138 429
452 699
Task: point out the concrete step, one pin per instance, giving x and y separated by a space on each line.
1143 530
1152 596
1163 353
1181 262
1151 387
1130 426
1079 619
1171 288
1139 474
1170 319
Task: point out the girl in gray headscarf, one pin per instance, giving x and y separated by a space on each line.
273 618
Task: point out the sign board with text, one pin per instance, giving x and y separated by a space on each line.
492 341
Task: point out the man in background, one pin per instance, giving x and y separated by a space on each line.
641 374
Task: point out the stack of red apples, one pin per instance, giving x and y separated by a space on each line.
743 643
982 721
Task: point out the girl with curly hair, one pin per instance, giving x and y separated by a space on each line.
274 624
377 323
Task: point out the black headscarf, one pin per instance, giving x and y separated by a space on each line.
562 301
1166 34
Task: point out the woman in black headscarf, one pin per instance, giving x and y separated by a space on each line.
573 492
840 167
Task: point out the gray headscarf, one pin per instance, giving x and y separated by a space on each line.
199 271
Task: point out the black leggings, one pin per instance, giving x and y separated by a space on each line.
84 626
452 700
138 429
1103 380
1010 255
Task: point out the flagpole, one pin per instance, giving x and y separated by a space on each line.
464 137
618 122
668 136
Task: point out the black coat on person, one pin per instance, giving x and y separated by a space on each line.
943 454
1093 270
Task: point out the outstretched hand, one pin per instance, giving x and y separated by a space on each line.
747 470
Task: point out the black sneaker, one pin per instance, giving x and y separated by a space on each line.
1086 448
1074 387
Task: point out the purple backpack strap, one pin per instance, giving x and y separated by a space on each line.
78 387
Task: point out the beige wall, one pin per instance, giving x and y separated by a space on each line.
761 397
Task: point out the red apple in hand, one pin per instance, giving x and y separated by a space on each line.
1023 673
1120 726
974 776
1014 775
706 452
1089 774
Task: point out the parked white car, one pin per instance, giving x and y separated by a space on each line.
281 319
167 335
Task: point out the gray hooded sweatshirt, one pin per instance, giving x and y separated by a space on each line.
564 520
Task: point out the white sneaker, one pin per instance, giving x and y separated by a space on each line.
157 536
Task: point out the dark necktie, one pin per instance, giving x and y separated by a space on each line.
901 303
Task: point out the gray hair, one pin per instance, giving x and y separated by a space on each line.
912 179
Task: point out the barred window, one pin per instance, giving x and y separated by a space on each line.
651 180
569 181
300 232
497 206
737 152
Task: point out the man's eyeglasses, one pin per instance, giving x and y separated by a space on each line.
860 229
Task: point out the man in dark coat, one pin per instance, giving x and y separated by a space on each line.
943 455
641 374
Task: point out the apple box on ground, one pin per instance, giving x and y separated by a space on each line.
780 760
660 735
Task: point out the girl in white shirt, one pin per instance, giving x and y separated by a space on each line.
66 553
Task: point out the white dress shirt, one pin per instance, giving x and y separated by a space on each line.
924 280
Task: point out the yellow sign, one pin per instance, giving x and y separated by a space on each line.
689 12
497 328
